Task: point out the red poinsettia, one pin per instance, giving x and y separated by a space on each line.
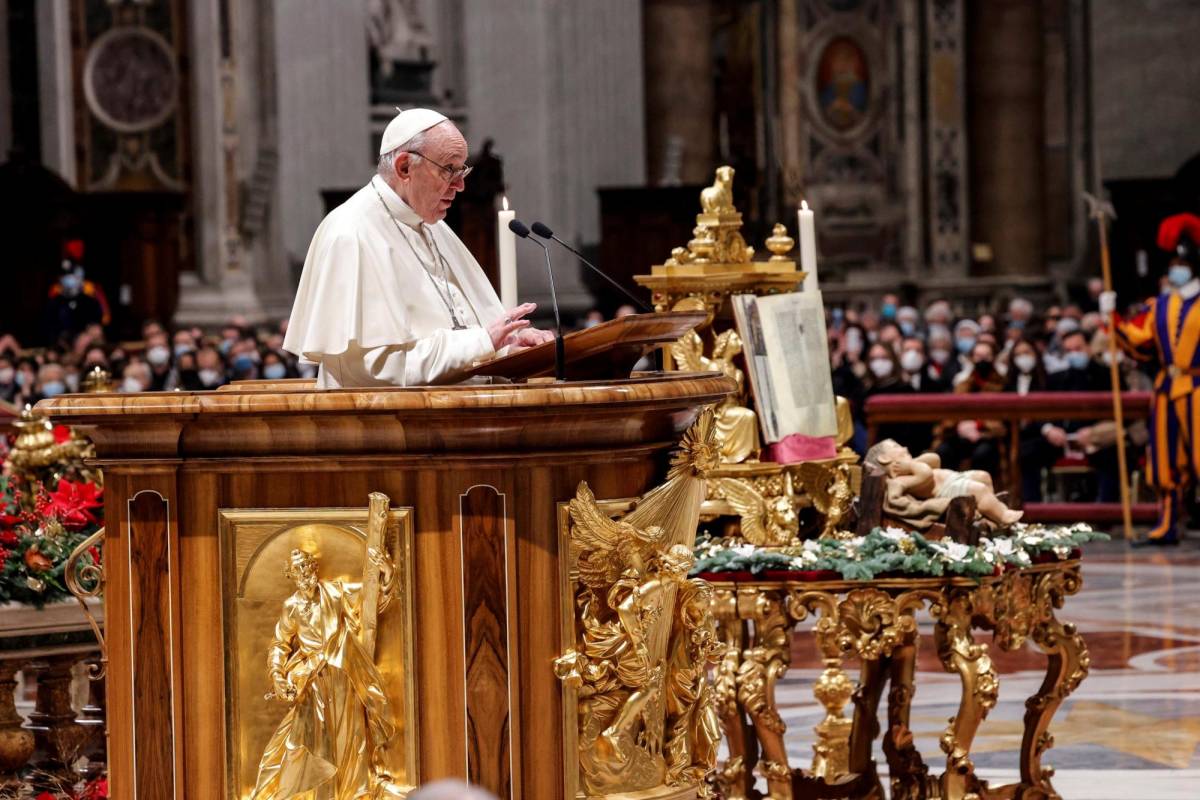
96 790
9 538
62 434
72 503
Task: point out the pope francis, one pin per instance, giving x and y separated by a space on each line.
389 296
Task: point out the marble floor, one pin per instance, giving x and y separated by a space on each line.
1132 730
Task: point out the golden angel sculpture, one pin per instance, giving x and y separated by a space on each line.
330 744
767 522
737 426
646 636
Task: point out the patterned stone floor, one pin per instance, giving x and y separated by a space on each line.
1133 728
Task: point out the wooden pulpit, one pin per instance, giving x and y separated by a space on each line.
206 494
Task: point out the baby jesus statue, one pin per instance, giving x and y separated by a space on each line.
919 490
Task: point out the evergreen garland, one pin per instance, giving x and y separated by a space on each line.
892 551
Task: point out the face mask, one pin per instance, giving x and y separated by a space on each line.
131 384
1025 362
158 355
225 346
71 284
308 370
274 372
1077 360
940 355
7 374
881 367
911 360
209 377
22 377
243 363
73 381
182 348
1019 324
1108 359
908 328
53 388
964 344
888 311
1179 274
984 369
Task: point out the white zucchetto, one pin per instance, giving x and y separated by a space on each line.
408 124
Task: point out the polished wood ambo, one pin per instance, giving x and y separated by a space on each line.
483 467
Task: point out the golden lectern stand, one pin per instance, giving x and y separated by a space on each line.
206 494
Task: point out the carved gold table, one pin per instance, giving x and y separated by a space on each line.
875 622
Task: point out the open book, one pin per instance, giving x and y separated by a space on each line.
787 360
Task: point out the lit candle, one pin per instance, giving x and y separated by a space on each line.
808 247
508 258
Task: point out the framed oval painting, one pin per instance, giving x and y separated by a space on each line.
843 79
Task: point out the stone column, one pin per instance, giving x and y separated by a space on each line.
677 50
791 105
55 87
222 283
1006 127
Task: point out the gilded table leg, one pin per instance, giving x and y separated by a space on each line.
866 724
735 776
960 653
762 666
831 752
1067 666
907 769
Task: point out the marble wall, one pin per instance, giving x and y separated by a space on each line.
1146 110
322 84
559 88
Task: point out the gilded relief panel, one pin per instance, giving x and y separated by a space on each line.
318 614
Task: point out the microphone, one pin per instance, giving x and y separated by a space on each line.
544 232
560 357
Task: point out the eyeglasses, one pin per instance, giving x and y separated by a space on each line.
454 174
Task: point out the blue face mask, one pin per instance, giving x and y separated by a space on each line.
964 344
888 311
1078 360
225 346
53 388
1019 324
243 363
274 372
1179 274
907 328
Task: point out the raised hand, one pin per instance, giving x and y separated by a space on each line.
502 330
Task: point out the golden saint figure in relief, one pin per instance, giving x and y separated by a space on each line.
330 744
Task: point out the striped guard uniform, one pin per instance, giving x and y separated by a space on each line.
1168 328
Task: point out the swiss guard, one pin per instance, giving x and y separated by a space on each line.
1167 328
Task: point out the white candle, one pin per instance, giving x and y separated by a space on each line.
507 242
808 247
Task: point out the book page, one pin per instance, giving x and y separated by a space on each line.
787 356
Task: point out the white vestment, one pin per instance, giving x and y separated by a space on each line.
371 308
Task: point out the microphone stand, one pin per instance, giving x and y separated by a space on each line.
560 352
639 303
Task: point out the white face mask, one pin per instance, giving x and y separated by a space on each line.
131 384
1025 362
158 355
940 354
209 377
911 360
881 367
7 374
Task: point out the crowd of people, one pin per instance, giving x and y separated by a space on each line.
884 348
900 349
162 360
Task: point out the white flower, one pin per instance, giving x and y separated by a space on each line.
744 549
811 546
1004 547
956 551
